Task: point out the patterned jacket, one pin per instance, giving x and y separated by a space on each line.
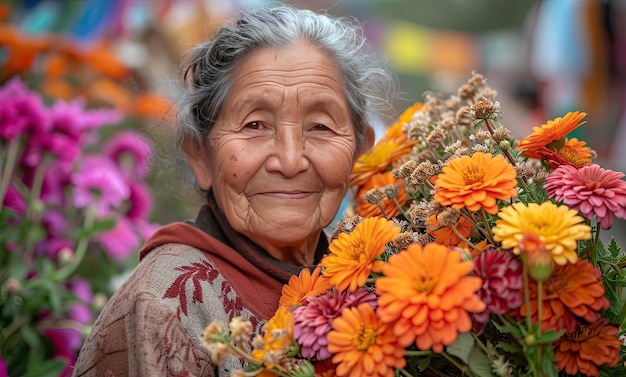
189 275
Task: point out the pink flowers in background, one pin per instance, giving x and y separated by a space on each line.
72 191
592 190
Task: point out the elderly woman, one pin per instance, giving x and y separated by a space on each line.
277 109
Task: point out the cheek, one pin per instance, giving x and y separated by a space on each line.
335 165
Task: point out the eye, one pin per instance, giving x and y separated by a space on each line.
320 127
254 125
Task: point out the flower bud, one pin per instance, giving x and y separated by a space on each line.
536 256
13 285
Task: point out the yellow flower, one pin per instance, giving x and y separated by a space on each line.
476 182
364 346
306 284
551 132
427 295
277 338
558 228
353 256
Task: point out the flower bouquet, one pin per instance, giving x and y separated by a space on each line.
469 252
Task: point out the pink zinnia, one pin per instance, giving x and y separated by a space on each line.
131 151
120 242
501 273
313 320
591 190
99 182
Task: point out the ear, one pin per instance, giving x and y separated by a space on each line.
370 137
199 162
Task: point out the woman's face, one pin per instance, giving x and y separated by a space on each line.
281 150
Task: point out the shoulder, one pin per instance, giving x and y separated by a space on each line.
155 320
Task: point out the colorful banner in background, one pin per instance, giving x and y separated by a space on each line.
418 50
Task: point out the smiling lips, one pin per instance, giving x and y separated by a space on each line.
295 194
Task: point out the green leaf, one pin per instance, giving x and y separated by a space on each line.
614 248
508 329
480 364
98 227
47 368
462 347
509 347
549 336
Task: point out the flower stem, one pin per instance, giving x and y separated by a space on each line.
468 242
483 215
81 246
526 294
7 169
457 365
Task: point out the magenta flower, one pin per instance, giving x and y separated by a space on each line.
313 320
4 369
65 342
591 190
21 111
121 241
140 201
502 289
81 287
99 182
52 246
145 228
14 200
131 151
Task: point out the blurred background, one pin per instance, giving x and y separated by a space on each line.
544 58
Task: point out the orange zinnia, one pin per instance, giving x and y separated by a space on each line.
383 154
573 290
476 182
380 180
587 348
574 153
427 295
390 148
551 132
363 345
353 256
444 235
307 284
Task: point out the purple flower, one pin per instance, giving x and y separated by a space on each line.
314 318
73 119
121 241
52 246
21 111
14 200
80 313
131 151
65 343
82 289
145 229
140 201
4 369
99 182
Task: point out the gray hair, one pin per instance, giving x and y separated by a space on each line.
209 72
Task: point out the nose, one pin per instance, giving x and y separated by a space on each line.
288 156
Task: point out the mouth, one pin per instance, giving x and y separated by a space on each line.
285 195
